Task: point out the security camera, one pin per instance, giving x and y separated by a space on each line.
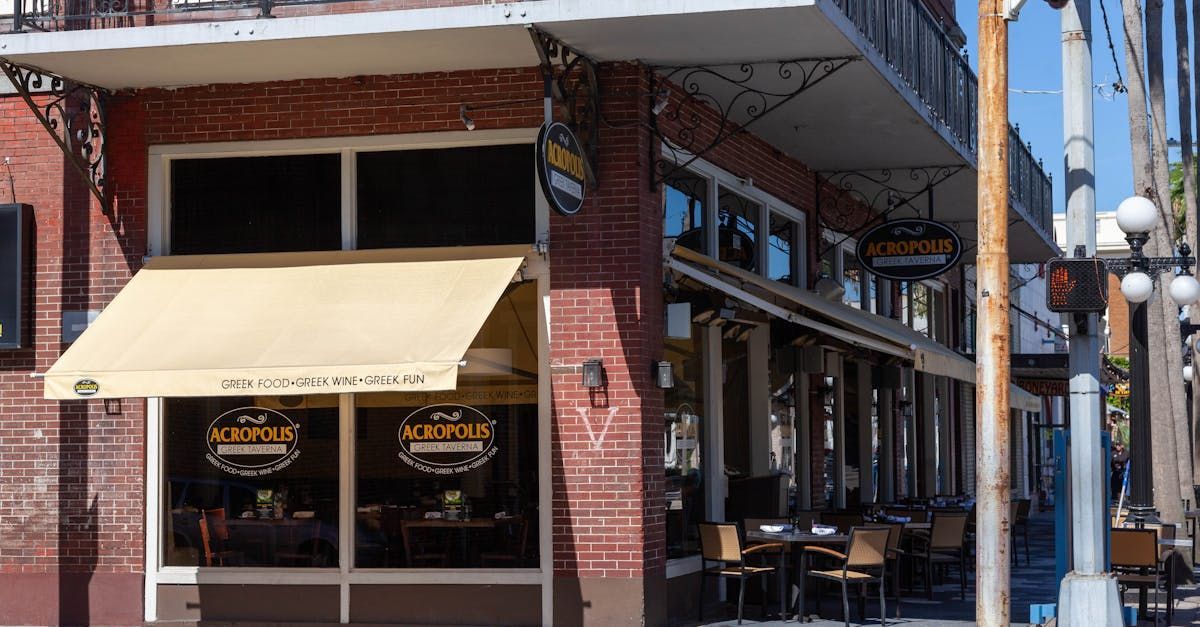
1057 4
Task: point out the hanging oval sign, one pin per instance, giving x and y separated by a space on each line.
909 250
447 439
252 441
560 162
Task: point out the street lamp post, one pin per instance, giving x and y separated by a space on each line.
1136 217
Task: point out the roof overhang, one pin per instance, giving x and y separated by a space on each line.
862 116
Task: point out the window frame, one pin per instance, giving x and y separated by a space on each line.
767 204
346 574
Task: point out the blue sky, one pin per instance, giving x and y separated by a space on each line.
1035 63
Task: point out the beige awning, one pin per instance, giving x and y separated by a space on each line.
288 323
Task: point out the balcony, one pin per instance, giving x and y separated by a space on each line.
908 101
915 45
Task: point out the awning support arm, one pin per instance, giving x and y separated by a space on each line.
73 115
574 85
692 122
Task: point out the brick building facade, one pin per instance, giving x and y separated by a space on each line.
96 510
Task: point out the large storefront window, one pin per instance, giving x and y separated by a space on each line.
256 204
251 481
684 442
450 479
445 197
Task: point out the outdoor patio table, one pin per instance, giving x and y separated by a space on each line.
797 540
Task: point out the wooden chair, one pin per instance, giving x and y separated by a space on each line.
721 545
513 536
864 562
214 534
944 544
1135 561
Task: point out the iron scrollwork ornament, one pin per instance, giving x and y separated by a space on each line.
73 114
859 198
697 117
577 90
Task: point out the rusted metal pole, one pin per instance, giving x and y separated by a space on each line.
992 367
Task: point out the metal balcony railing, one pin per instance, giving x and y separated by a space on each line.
913 42
59 15
1028 182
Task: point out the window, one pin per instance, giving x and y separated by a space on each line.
685 411
738 235
831 259
782 263
852 278
251 481
446 197
921 308
256 204
450 479
685 201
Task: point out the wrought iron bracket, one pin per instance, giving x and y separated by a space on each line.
1153 266
572 81
74 116
884 191
691 121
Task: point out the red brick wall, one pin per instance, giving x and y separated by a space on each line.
71 493
606 303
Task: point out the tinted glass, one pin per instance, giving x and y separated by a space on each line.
684 199
684 441
256 204
780 252
251 481
450 479
446 197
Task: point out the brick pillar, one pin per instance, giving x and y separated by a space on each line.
606 303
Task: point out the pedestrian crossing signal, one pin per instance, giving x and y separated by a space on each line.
1076 285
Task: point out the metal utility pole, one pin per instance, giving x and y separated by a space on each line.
1088 596
991 439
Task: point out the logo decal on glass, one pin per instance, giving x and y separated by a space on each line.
252 441
447 439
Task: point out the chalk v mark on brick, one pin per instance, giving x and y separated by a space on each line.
584 414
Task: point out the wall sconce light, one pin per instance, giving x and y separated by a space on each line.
664 374
593 373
